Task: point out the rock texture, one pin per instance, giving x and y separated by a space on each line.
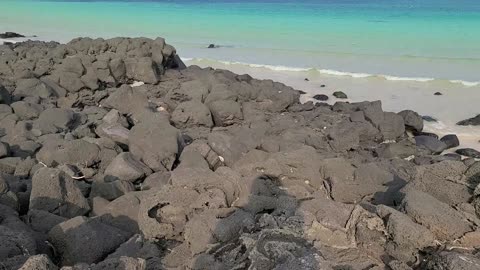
206 169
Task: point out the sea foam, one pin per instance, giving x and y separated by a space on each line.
331 72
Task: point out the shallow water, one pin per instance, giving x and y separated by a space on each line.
403 38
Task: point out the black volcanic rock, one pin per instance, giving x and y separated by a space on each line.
474 121
320 97
451 140
340 94
197 168
468 152
11 35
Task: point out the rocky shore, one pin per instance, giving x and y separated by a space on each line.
114 155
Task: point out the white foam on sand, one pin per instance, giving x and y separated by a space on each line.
203 61
459 99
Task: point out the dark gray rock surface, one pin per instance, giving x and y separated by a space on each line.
205 169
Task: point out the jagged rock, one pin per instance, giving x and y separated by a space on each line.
225 112
43 221
450 260
39 262
75 152
442 220
118 69
111 190
126 167
468 152
442 180
142 69
412 120
155 143
26 111
430 143
57 193
55 120
192 114
474 121
4 149
83 240
406 236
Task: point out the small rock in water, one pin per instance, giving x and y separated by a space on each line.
451 140
474 121
306 79
321 97
438 94
302 92
340 94
323 85
429 118
212 46
11 35
468 152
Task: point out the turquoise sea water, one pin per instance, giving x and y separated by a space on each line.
404 38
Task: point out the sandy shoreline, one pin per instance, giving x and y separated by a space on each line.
457 102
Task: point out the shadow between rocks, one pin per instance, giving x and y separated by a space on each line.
265 232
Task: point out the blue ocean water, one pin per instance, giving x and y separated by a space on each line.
403 38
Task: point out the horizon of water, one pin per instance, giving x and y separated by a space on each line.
400 40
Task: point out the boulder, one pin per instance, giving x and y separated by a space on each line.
25 110
190 90
392 126
430 143
43 221
142 69
225 112
192 114
55 192
4 150
127 100
340 94
126 167
75 152
406 236
38 262
442 220
123 212
70 81
468 152
83 240
155 143
451 140
111 190
442 180
412 120
474 121
118 69
73 65
55 120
